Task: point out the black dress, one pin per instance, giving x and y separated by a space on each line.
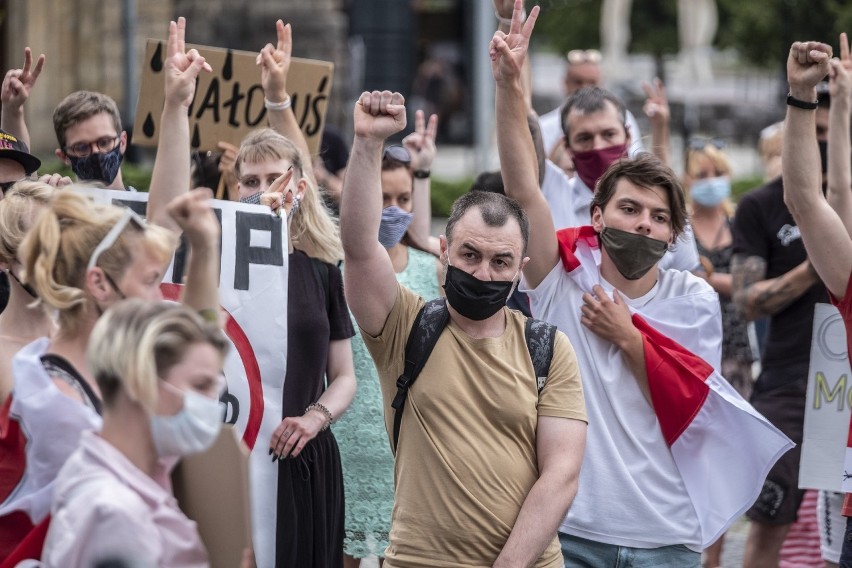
309 531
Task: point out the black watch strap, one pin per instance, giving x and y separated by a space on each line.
807 105
422 174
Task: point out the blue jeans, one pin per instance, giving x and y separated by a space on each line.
846 554
581 553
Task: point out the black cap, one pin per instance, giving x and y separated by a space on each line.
13 149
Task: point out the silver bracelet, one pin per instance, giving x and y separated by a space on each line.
319 407
283 105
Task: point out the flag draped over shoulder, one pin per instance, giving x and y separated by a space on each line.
721 446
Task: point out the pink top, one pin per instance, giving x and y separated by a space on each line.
105 507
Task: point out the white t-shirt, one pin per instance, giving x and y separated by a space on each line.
631 492
570 202
551 131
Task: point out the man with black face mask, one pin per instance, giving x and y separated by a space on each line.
486 464
91 141
661 479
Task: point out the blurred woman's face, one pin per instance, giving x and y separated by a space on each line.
142 277
397 189
198 371
703 167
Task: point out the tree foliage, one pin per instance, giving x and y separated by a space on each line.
760 30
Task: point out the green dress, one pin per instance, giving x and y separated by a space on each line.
364 446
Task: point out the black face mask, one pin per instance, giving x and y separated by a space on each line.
473 298
632 254
27 288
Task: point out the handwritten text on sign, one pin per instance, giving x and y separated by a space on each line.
228 102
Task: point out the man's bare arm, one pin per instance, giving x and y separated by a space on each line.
756 297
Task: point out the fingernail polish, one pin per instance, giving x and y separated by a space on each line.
270 451
274 458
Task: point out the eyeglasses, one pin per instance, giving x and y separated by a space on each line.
5 186
578 56
113 234
397 153
84 149
698 143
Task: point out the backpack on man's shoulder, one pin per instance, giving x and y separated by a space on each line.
430 322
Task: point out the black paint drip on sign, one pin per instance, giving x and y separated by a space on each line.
228 67
148 126
157 59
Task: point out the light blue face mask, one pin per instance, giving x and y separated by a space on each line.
393 226
710 192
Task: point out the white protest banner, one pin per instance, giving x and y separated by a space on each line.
253 294
827 404
228 103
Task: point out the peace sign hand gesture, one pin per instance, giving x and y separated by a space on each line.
275 64
182 67
421 143
19 82
508 51
840 73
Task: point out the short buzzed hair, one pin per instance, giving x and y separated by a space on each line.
79 106
589 100
495 208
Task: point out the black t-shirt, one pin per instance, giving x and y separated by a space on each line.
312 322
764 227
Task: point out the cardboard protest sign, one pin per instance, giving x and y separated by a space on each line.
253 296
228 102
827 409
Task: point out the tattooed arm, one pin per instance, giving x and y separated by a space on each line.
755 296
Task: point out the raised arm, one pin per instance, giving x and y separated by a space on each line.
15 91
370 282
826 239
274 66
421 146
191 213
518 162
657 110
839 149
171 175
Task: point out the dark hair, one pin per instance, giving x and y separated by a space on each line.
589 100
489 181
495 208
646 171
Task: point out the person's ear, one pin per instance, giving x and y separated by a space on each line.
445 249
122 143
301 188
597 219
97 284
61 155
524 262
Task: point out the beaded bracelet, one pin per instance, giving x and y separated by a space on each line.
321 408
283 105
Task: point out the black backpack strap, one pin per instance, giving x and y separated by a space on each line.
430 322
540 337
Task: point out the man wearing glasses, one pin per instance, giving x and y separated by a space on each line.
91 141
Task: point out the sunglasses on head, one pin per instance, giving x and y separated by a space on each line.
698 143
397 153
577 56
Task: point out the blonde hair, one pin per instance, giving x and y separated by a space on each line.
720 164
135 342
60 243
18 211
313 228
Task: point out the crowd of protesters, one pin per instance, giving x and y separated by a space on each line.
611 419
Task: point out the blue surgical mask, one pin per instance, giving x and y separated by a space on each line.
710 192
98 166
393 226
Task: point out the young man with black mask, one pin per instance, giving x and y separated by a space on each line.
475 409
663 475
